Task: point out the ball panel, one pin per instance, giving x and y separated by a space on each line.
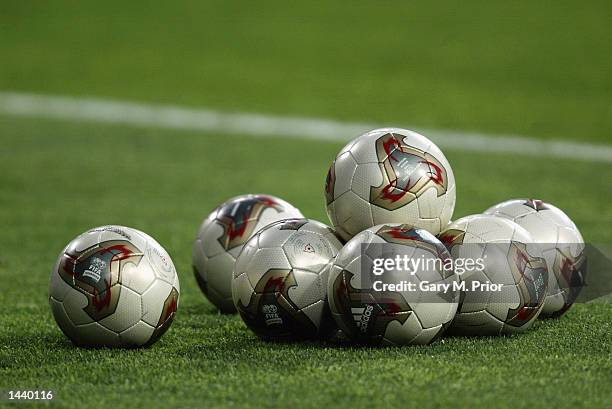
403 332
311 251
58 288
242 290
166 317
363 150
430 204
365 176
476 323
152 304
558 217
219 278
408 214
501 303
417 140
428 335
122 233
509 209
353 214
449 206
208 237
95 335
474 301
543 230
347 147
330 209
138 278
160 261
75 304
309 288
136 335
272 238
316 312
571 239
553 303
263 260
244 258
434 314
176 283
343 173
352 248
127 314
490 229
271 215
62 319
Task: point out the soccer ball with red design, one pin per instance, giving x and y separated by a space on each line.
389 175
504 288
562 246
114 286
222 236
402 304
280 280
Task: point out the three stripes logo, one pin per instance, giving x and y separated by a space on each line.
362 317
366 313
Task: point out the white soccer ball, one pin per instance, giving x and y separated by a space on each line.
280 279
506 284
389 175
561 243
369 313
223 234
114 286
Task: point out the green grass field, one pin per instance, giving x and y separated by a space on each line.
520 68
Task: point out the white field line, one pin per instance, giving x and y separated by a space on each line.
177 117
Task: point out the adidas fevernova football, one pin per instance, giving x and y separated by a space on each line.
504 290
393 285
389 175
114 286
222 236
562 246
280 279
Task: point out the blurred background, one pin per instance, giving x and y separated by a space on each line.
522 67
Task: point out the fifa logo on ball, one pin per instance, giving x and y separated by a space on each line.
95 269
271 314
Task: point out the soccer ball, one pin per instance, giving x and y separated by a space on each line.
222 236
114 286
369 313
504 290
562 245
280 279
389 175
